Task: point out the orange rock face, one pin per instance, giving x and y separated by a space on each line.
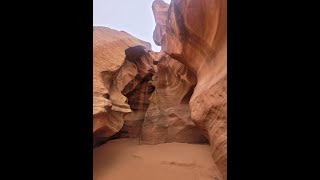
113 70
196 35
177 95
160 12
139 93
168 118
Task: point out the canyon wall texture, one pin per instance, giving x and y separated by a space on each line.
168 118
116 67
195 34
139 93
160 12
176 95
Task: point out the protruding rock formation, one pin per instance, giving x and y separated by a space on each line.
160 12
138 91
196 35
128 80
113 70
177 95
168 118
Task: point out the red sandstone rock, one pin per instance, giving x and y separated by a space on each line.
138 92
112 72
157 98
168 118
196 35
124 84
160 12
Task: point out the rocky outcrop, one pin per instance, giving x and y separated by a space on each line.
176 95
168 118
115 65
140 93
196 35
160 12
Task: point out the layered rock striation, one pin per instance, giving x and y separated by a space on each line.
146 95
195 34
168 118
117 65
176 95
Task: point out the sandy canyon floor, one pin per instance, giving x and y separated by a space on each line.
124 159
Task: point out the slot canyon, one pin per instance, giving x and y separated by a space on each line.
163 115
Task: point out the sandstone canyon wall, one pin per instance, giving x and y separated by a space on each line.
139 93
195 34
115 68
168 118
176 95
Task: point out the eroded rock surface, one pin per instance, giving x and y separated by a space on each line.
177 95
140 93
160 12
195 35
113 70
168 118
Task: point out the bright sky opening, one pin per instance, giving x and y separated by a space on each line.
133 16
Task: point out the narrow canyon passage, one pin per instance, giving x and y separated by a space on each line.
163 115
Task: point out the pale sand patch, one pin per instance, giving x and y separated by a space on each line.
125 159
